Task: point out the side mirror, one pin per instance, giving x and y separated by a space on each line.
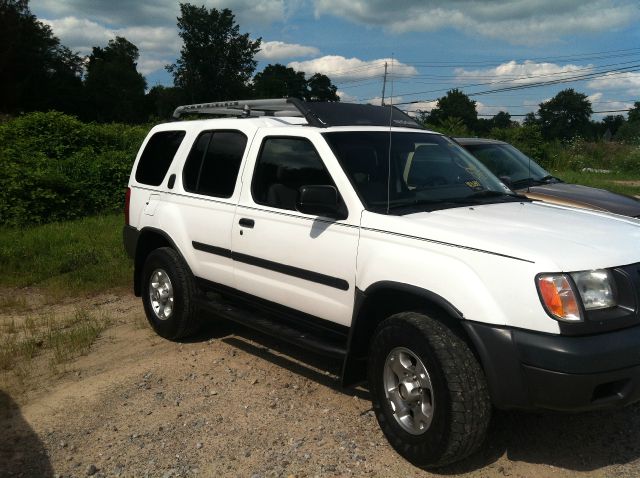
318 201
506 180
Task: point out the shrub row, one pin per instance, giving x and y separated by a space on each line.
54 167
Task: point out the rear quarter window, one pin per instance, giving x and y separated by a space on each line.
157 157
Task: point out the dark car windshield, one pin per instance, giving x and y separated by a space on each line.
421 171
505 160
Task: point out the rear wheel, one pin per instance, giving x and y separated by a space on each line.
167 295
428 390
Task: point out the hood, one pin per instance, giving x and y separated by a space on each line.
555 238
585 197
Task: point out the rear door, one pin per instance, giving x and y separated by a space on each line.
298 260
206 195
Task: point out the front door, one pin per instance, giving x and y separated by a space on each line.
298 260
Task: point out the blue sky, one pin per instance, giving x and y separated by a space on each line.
430 46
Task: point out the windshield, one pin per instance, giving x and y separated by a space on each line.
428 171
505 160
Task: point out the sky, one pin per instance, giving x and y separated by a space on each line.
496 51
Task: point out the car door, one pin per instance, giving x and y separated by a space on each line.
298 260
208 191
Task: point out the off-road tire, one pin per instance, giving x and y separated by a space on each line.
183 321
461 403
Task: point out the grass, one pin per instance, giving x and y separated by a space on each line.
65 259
611 181
61 338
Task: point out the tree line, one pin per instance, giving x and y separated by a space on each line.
216 62
567 115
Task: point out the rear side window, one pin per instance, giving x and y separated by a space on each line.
157 156
213 163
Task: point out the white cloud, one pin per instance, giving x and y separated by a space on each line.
157 45
163 12
517 21
80 34
629 82
514 73
346 97
277 50
341 68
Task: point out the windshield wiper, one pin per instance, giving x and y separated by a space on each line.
548 178
486 194
416 202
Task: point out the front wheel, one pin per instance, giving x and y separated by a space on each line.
168 293
428 390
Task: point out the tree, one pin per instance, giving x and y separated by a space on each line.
163 100
278 81
634 113
565 115
502 120
115 90
216 61
530 119
612 124
455 104
37 73
320 88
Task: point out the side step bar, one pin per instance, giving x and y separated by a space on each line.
268 325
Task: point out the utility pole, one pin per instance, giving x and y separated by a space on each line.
384 83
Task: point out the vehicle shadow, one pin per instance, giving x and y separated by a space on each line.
581 442
22 453
322 370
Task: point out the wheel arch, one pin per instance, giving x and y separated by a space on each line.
149 240
381 300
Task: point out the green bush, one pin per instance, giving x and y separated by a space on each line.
56 168
527 138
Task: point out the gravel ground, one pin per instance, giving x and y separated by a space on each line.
235 403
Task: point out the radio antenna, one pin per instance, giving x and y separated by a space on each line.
390 123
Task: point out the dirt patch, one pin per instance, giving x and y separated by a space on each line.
235 403
626 182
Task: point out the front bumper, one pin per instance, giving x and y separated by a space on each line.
527 369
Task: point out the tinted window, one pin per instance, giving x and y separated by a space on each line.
284 165
157 156
505 160
213 163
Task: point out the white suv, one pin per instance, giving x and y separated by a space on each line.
352 232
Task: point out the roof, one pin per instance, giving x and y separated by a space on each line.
477 141
318 114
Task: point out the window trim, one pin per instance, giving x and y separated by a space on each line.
213 133
257 162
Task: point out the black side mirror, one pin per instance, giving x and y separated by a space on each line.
506 180
318 201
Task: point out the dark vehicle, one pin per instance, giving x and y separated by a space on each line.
525 176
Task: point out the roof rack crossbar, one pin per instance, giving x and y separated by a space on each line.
242 108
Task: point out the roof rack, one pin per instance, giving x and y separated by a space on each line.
319 114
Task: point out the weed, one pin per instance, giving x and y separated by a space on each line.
63 338
13 302
66 259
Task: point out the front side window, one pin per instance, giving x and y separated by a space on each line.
157 157
283 166
400 173
213 163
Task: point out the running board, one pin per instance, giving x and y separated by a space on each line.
264 323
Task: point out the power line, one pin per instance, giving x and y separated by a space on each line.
593 113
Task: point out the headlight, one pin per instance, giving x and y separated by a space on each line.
595 288
558 297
